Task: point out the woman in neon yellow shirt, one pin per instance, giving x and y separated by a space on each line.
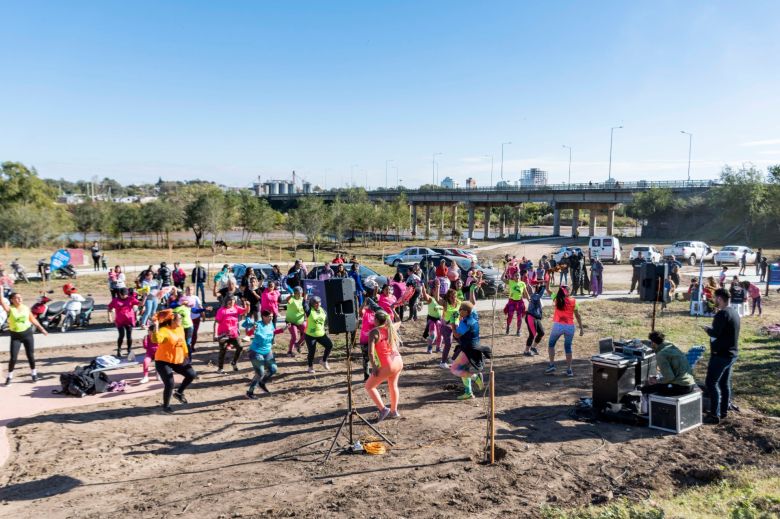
20 326
516 304
315 333
295 318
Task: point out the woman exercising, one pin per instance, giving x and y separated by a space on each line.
386 365
20 323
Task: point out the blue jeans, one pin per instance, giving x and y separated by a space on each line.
567 330
564 278
200 291
150 307
718 384
264 366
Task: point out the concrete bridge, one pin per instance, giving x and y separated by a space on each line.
599 199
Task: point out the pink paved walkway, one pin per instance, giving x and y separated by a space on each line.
23 398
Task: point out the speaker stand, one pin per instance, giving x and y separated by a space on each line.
352 412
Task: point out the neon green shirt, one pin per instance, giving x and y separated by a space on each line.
434 309
315 325
516 289
19 319
295 313
186 315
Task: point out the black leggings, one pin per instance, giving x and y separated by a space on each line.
223 351
535 331
311 346
413 304
127 329
17 339
166 371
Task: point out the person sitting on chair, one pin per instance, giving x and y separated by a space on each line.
676 374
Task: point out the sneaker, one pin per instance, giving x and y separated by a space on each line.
263 387
518 333
144 380
534 351
310 370
394 414
7 381
130 356
550 369
246 339
235 366
34 378
180 397
167 409
507 331
221 371
444 365
291 354
251 396
711 419
430 350
466 396
324 364
528 354
438 350
569 372
479 380
381 415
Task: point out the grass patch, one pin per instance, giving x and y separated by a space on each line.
741 495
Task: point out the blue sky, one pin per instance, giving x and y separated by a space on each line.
227 91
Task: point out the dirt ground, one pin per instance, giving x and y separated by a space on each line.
225 456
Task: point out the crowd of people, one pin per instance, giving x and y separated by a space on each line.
168 305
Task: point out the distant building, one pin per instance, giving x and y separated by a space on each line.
503 184
533 177
471 183
70 199
449 183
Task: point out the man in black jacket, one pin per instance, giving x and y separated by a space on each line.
198 278
637 264
724 347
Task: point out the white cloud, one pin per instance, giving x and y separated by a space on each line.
766 142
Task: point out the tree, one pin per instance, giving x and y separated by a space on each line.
310 218
338 221
86 218
650 203
742 196
254 216
30 225
18 184
205 212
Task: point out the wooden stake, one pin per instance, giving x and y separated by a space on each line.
492 418
655 303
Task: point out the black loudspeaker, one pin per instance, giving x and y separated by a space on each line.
651 276
342 313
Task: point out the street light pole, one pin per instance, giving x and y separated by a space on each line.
387 162
690 147
352 174
502 158
569 148
611 131
433 168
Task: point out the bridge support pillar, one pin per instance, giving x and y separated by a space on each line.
487 222
471 221
427 222
454 218
610 222
575 222
592 224
556 221
441 222
501 224
517 223
414 220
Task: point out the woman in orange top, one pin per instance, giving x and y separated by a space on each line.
386 364
172 356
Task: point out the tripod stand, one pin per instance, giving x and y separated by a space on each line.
351 411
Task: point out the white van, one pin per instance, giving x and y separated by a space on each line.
607 248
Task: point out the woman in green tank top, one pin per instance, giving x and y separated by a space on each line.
20 326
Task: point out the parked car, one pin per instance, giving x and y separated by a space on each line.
649 252
607 248
733 254
367 275
493 282
690 251
413 254
239 269
558 254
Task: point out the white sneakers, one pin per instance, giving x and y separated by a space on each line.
444 365
144 380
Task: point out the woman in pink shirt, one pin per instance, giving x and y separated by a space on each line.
270 301
387 301
755 295
123 307
227 332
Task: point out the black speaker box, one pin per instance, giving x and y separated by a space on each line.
342 323
650 277
338 290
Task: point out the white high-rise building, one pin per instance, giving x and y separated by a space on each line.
449 183
533 177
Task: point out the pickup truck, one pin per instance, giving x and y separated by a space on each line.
690 251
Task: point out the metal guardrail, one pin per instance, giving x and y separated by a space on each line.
640 185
